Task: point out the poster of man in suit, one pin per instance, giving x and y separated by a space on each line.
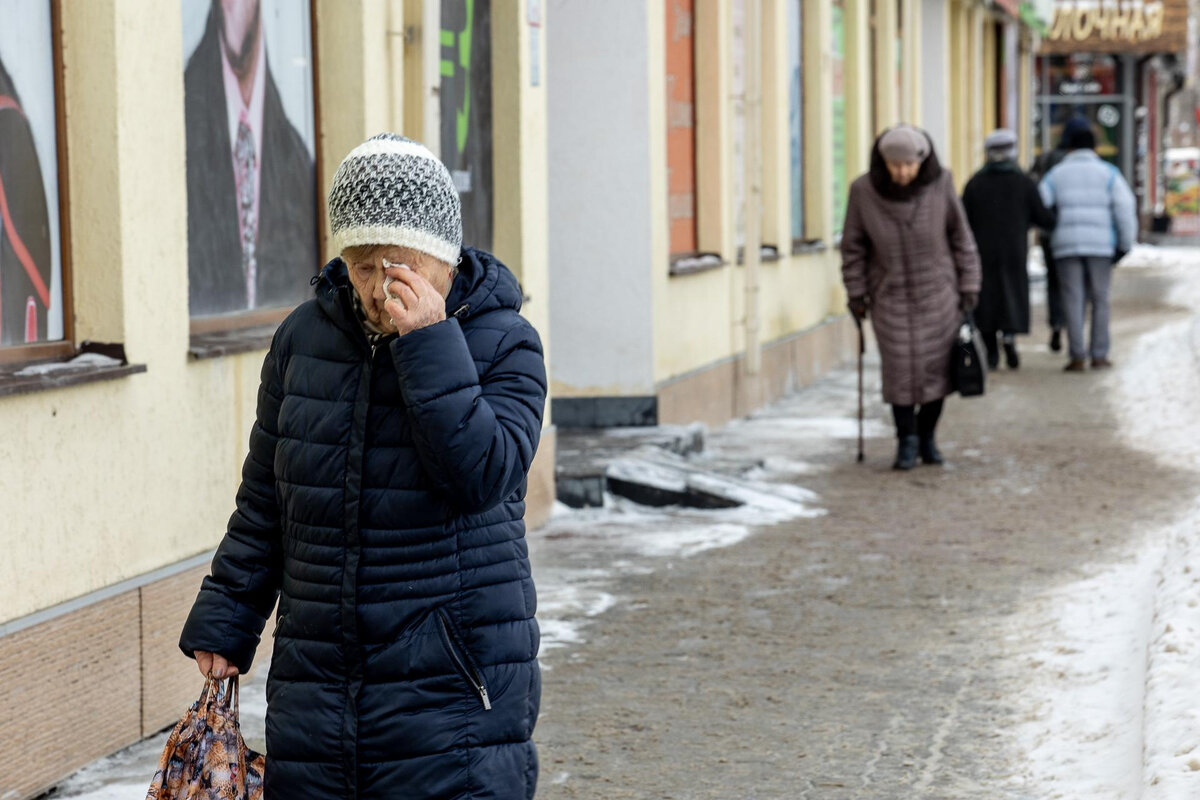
251 181
30 257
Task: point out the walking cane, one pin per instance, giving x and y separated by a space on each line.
862 348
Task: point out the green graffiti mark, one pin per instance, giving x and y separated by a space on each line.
447 38
463 37
464 60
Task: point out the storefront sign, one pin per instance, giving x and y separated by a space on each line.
1117 26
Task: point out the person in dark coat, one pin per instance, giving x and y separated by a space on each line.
1002 203
252 208
382 503
1056 316
25 250
908 259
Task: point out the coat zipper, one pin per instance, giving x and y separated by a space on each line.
905 228
465 668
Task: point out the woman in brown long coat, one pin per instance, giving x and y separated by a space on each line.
909 260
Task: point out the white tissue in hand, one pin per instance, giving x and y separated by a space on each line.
388 280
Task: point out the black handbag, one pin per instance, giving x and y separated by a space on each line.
967 373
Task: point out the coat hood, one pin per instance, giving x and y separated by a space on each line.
881 179
483 284
1006 165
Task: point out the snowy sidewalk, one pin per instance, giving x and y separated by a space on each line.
1020 624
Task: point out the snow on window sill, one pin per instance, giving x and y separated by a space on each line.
94 362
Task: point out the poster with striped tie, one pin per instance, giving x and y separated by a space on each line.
251 177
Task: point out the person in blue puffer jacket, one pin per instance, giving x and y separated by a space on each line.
1097 226
382 503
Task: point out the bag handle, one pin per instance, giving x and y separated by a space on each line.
227 695
232 696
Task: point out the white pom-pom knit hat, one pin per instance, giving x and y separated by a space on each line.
393 191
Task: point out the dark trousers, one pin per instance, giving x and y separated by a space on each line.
1054 301
992 341
913 422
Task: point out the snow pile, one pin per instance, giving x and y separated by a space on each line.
748 462
1111 709
625 538
1084 662
1148 256
1172 724
81 361
1036 265
1161 380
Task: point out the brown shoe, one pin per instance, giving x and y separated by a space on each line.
1076 365
1101 363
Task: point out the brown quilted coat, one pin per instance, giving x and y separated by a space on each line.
912 258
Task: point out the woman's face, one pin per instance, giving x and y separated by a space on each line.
903 172
366 274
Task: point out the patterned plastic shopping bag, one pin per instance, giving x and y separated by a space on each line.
205 757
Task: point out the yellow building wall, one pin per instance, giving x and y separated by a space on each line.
991 78
1025 99
973 151
519 146
108 481
889 95
699 318
860 86
911 45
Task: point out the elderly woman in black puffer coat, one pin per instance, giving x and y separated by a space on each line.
382 502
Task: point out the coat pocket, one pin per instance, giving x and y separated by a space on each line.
462 659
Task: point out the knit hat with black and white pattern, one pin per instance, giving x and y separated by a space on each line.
393 191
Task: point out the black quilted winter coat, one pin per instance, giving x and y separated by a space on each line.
382 502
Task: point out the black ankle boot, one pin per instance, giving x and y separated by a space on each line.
1056 340
1011 356
993 351
929 452
906 453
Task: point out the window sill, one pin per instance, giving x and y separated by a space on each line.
94 363
767 254
695 263
230 343
808 246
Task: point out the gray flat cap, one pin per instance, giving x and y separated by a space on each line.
1001 139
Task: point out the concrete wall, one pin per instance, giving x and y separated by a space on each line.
600 198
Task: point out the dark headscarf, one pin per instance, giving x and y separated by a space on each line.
881 179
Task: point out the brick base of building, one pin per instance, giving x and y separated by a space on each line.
88 681
84 680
